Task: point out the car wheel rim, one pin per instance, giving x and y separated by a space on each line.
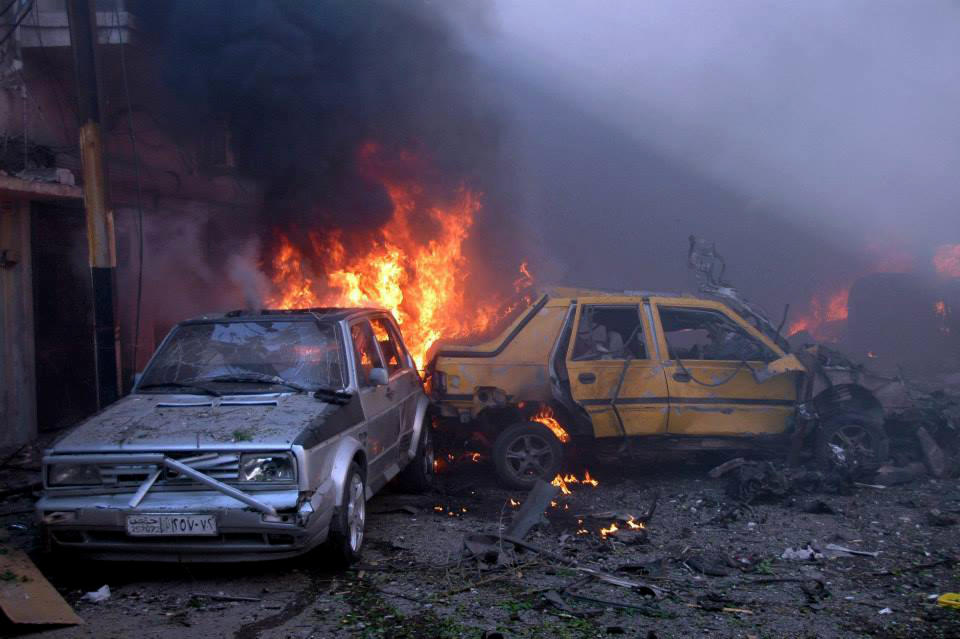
356 513
529 456
428 456
854 440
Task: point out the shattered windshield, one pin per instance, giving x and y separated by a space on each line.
289 354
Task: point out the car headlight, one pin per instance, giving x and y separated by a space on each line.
73 475
267 467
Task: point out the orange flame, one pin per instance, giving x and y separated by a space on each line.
563 482
559 482
824 308
633 524
946 260
418 275
604 532
940 308
545 417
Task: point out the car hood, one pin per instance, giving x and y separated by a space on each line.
179 422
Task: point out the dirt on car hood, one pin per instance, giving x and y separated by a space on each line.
152 422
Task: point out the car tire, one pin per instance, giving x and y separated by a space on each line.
867 441
419 475
345 540
526 452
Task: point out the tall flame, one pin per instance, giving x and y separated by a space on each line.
414 266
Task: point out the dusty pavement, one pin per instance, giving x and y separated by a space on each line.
719 567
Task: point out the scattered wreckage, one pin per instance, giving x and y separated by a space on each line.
615 372
250 435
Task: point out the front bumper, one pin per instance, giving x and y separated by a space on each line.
95 525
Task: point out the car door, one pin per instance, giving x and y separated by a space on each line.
611 373
711 359
404 387
379 407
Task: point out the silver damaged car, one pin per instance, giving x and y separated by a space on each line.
249 435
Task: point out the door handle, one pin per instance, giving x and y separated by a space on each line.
389 393
587 378
681 377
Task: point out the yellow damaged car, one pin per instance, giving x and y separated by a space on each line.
637 370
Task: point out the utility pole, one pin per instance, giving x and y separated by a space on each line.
100 232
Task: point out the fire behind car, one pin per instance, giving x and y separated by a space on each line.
248 436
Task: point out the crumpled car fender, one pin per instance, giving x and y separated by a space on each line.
347 450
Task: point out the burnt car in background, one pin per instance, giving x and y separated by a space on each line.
249 435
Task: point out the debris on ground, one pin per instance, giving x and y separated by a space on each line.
99 595
26 597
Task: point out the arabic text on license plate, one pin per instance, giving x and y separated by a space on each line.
157 525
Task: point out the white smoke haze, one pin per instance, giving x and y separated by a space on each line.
840 115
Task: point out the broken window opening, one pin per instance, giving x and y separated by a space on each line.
365 350
389 345
704 334
609 333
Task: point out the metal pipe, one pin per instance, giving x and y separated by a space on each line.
219 485
100 231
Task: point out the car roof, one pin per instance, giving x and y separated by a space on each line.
326 313
563 292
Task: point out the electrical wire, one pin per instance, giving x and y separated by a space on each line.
16 24
136 166
8 7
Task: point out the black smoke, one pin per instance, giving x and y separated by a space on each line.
302 85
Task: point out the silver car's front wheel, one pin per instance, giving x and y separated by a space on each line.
356 512
346 530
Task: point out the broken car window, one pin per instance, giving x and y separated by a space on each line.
304 353
696 333
365 350
609 332
389 345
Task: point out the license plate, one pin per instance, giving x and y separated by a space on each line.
163 525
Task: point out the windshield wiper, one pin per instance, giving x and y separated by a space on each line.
252 378
191 385
336 396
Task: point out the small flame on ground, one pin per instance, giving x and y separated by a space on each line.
563 482
514 503
475 457
633 524
604 532
546 417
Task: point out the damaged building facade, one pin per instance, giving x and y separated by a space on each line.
171 185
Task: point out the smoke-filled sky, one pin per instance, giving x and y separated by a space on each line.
840 116
827 129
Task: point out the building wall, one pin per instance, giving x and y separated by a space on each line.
18 422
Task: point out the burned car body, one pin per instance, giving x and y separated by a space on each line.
618 371
249 436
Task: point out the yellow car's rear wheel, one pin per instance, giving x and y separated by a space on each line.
526 452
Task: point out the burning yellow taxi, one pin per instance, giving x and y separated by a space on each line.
627 370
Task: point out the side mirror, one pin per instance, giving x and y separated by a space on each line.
786 364
379 377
